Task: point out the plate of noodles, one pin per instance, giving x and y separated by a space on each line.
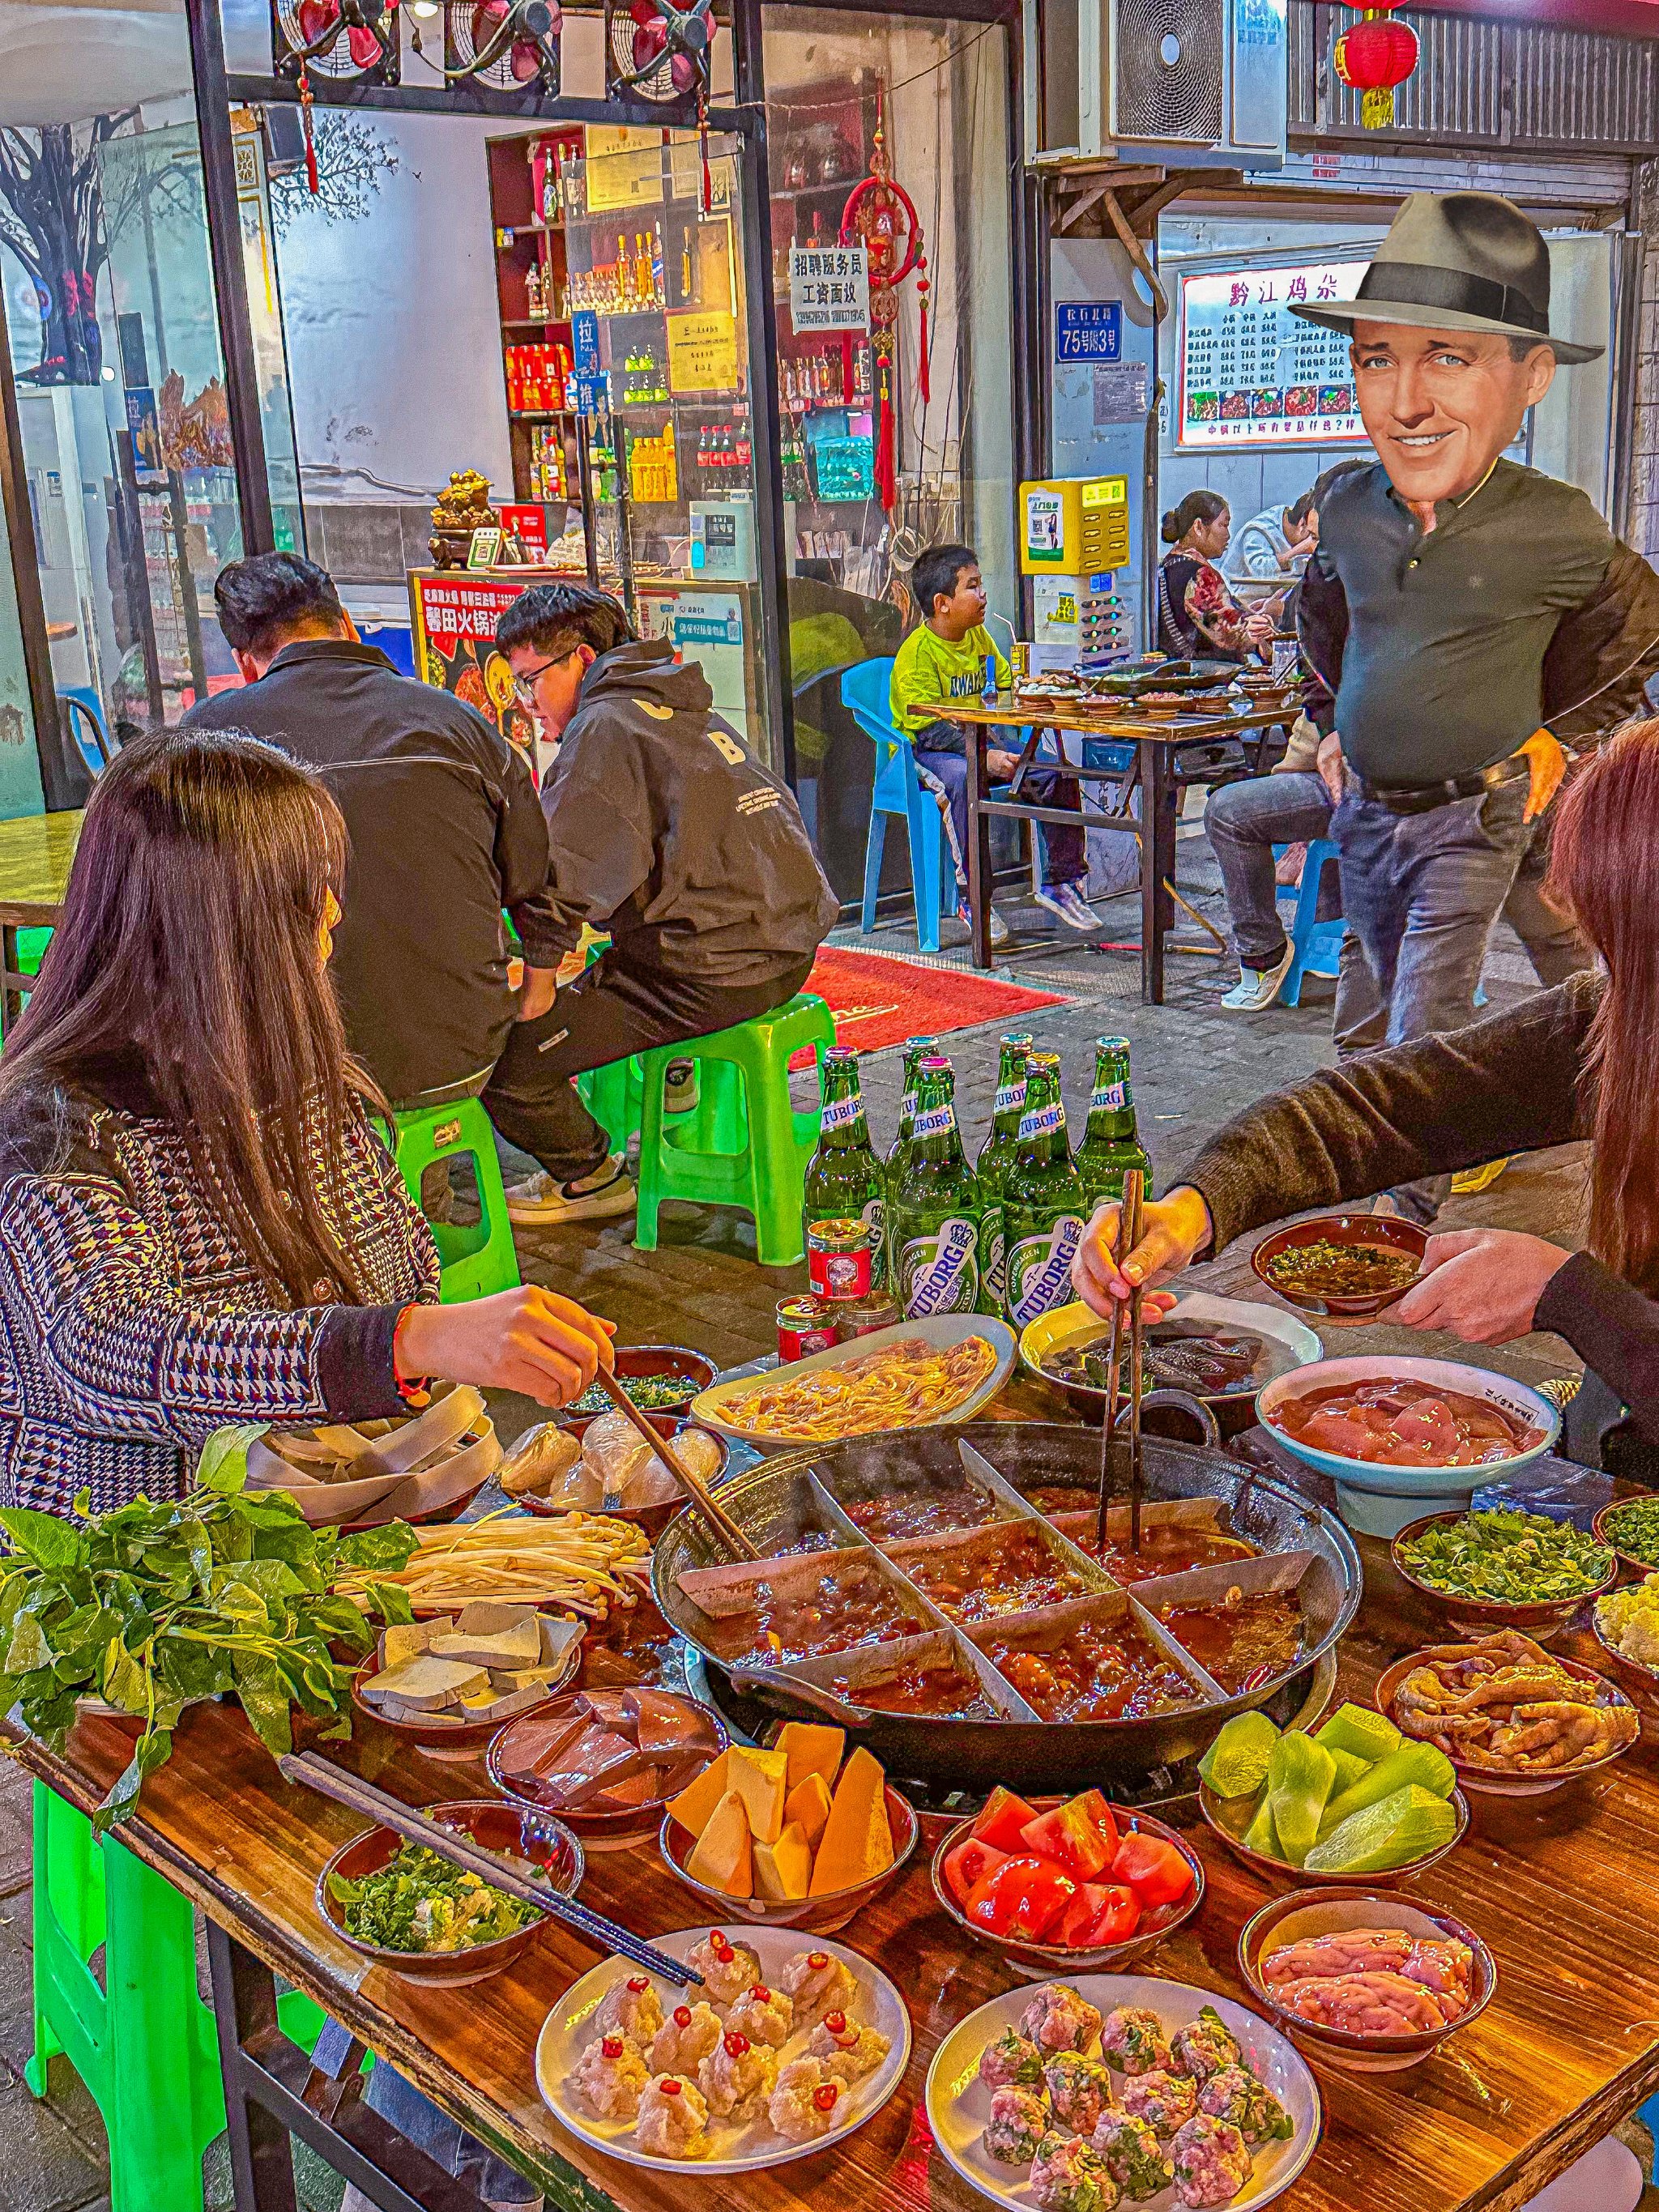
920 1372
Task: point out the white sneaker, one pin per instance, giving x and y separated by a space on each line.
679 1087
1067 902
1257 987
609 1190
999 927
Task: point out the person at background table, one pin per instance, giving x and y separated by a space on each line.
667 837
1199 617
446 833
1574 1062
199 1223
1274 546
943 662
1457 603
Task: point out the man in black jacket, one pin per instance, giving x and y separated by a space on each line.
668 837
447 833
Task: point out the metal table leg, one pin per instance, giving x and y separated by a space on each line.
979 849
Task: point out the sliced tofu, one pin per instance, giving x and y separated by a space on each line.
489 1616
407 1639
520 1645
493 1704
427 1682
511 1678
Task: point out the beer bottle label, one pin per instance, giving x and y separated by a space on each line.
1039 1123
1010 1096
933 1124
992 1260
840 1114
939 1274
875 1219
1039 1270
1109 1095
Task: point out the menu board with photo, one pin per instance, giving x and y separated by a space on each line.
1252 374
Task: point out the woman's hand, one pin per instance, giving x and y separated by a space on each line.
1172 1230
1482 1285
529 1339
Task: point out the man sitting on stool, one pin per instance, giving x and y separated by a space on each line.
667 837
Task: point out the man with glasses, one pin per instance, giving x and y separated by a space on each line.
446 834
666 836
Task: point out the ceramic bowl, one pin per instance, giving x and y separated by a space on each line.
612 1829
1047 1962
1641 1680
1602 1528
1230 1817
1306 1913
818 1916
1488 1782
653 1518
1378 1500
1539 1619
498 1827
696 1369
1384 1228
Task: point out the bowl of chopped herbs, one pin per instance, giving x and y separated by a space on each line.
1629 1526
1505 1568
659 1378
408 1909
1344 1266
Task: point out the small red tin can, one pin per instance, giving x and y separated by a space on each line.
840 1258
805 1325
863 1316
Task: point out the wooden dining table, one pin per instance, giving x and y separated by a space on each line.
1158 738
35 852
1561 1887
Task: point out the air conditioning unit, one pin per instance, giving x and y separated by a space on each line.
1203 82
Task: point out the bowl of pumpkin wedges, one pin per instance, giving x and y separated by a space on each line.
798 1835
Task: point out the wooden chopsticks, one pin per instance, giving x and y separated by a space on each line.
716 1516
1128 1236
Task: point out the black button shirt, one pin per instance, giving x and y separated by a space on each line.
1447 632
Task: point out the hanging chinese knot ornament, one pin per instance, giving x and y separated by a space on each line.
881 218
1372 56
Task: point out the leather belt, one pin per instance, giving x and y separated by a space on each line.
1423 797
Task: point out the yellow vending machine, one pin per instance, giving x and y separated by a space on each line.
1073 538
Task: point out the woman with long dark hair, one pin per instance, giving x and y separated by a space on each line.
1580 1060
1198 616
197 1223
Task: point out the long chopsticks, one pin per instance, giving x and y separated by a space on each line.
1128 1236
453 1844
716 1516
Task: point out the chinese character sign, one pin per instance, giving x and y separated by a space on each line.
1252 374
829 288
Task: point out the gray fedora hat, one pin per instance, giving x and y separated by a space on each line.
1458 261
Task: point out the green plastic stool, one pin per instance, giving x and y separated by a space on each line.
31 943
143 2043
743 1144
612 1095
445 1125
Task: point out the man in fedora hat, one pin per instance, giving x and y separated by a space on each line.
1463 617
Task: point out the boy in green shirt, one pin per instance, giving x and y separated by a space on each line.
943 658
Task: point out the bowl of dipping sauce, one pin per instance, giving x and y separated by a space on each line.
1346 1266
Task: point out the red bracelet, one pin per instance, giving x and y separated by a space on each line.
415 1390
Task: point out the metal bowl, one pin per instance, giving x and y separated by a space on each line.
1493 1781
1229 1817
534 1836
1047 1962
1540 1618
817 1916
1311 1913
1384 1228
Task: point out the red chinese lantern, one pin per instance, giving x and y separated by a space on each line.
881 216
1373 56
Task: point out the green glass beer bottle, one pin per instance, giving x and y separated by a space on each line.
1110 1147
995 1157
1043 1202
935 1219
845 1181
916 1049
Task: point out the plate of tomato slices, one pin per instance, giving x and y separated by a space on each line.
1061 1885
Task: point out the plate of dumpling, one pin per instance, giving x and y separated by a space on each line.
789 2043
1118 2089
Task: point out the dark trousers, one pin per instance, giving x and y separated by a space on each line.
1243 821
1064 858
610 1011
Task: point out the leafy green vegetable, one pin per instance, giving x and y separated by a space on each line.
152 1607
653 1393
1508 1557
1634 1527
418 1902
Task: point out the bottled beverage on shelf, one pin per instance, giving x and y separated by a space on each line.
1110 1146
1043 1202
996 1156
741 451
936 1213
659 282
844 1179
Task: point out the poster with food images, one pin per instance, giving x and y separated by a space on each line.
1251 373
453 614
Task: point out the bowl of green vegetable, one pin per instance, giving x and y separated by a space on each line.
659 1378
1505 1568
1629 1526
1346 1267
1353 1798
403 1908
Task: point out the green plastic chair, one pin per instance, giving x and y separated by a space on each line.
143 2042
445 1125
612 1095
743 1144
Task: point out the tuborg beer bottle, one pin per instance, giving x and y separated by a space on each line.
994 1158
935 1218
1110 1147
1042 1204
845 1181
916 1049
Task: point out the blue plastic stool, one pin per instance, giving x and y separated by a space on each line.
897 790
1317 945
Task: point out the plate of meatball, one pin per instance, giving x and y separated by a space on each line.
790 2043
1120 2090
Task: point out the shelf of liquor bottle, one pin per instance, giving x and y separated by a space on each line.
541 415
535 322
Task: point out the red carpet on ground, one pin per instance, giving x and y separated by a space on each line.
878 1001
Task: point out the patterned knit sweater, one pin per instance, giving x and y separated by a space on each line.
132 1325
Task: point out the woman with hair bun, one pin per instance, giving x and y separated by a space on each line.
1198 617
